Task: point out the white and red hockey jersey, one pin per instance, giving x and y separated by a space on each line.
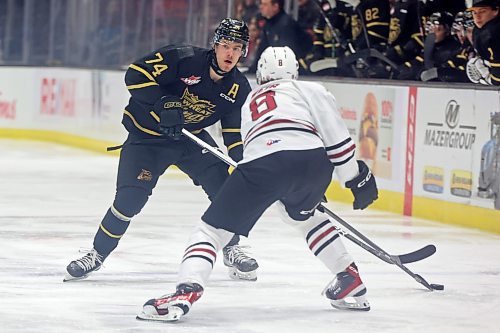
296 115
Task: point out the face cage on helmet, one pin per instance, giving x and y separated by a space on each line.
457 27
468 20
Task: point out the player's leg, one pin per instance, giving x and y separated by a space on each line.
236 207
138 173
210 172
197 264
346 291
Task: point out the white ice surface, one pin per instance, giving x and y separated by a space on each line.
52 199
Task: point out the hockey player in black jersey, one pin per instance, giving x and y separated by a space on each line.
485 68
453 70
406 38
172 88
332 34
294 139
440 46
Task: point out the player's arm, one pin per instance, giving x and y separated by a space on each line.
486 71
340 149
494 63
413 46
146 76
231 120
231 134
338 142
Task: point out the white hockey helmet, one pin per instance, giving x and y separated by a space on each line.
277 63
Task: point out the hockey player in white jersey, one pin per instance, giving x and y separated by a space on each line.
294 138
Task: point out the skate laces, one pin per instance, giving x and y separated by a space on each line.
89 260
236 254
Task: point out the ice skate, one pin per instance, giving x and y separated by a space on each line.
347 291
81 268
241 265
173 306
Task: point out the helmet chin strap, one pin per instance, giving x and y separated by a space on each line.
215 65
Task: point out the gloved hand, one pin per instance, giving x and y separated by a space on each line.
171 116
363 187
478 71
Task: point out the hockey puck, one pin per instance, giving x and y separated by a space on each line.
437 286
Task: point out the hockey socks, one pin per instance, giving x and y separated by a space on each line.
112 228
324 242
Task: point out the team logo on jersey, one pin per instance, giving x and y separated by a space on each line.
191 80
271 142
145 175
195 109
394 30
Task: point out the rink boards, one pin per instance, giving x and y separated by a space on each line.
423 142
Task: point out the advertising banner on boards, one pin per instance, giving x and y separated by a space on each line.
371 114
450 145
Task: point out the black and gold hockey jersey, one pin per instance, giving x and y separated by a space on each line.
487 44
441 53
454 69
370 24
405 36
328 43
184 71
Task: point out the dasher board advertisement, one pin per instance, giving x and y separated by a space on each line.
453 126
16 96
371 113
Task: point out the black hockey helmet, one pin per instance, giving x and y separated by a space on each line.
463 20
468 19
439 18
233 30
442 18
484 3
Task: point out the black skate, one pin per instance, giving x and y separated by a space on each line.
241 265
81 268
347 291
173 306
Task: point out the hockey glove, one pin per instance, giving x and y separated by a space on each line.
171 116
363 187
478 71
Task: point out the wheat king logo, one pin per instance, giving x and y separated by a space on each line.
451 133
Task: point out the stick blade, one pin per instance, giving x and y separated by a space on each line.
418 255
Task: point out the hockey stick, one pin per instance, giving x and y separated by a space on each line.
322 64
380 253
372 247
406 258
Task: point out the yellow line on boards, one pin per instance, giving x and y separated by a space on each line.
94 145
426 208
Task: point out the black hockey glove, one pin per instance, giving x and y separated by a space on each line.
363 187
171 116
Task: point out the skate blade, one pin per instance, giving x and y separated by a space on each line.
358 303
173 315
235 274
68 278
